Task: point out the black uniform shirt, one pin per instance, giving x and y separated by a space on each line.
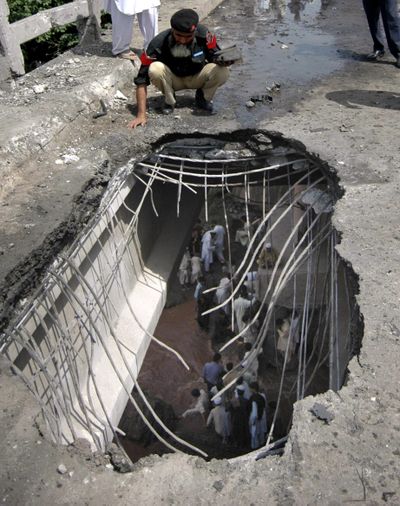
202 48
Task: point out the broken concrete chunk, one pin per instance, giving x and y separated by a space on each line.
119 460
39 88
321 412
250 104
218 485
264 98
70 158
262 138
274 87
61 469
120 96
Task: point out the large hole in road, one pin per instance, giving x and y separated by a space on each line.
302 324
114 341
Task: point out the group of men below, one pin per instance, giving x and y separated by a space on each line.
239 415
250 295
204 247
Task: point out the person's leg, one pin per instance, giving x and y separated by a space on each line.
165 81
372 10
391 24
122 26
219 251
208 79
148 24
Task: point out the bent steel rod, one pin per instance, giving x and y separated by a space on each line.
229 246
218 176
262 334
148 405
281 385
315 221
115 269
89 421
47 413
63 404
270 283
71 367
267 234
70 293
282 281
118 374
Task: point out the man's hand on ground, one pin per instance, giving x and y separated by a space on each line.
139 120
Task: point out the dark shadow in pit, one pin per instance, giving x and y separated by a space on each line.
355 99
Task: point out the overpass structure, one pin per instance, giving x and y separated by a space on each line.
353 458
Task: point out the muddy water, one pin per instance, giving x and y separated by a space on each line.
281 41
177 328
163 376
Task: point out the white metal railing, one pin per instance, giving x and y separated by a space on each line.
12 35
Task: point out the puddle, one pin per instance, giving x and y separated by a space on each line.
281 41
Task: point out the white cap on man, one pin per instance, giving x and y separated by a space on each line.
217 401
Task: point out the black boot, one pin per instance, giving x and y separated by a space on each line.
167 108
202 103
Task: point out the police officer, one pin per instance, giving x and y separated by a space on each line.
180 58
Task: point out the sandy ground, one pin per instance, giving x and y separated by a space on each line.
346 111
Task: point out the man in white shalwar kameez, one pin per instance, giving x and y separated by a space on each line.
201 405
239 307
220 418
257 419
207 249
196 269
219 242
123 13
222 294
184 269
251 361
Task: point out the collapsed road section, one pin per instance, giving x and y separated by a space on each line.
80 342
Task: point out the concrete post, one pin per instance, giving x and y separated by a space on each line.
9 47
91 31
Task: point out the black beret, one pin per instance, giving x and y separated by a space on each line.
185 20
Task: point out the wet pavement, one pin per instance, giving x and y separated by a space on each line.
281 41
350 120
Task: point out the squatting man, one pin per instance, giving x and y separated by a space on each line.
182 57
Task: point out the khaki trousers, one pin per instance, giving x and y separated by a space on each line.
208 79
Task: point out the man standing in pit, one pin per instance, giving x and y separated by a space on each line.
220 418
212 371
219 242
207 249
201 405
179 58
184 269
240 305
257 419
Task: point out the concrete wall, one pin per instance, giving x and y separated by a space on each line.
87 332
